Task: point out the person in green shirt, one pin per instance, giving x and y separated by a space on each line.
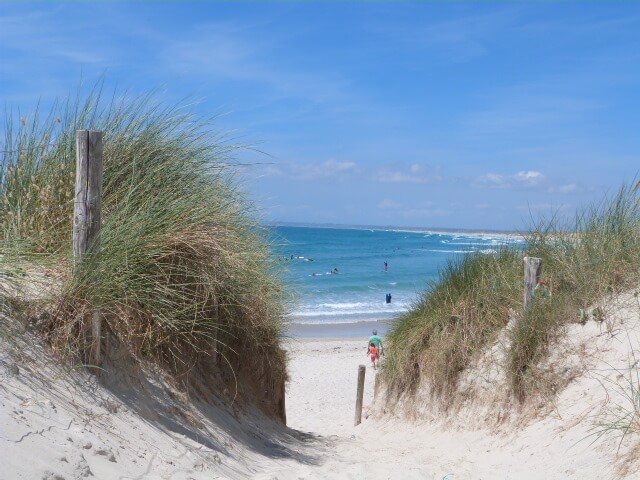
377 341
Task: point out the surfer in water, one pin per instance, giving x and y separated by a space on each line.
386 266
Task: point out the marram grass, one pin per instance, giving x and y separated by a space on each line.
183 274
453 320
586 259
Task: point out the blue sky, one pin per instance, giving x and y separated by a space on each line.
443 114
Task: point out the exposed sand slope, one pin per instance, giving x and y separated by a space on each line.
60 424
57 425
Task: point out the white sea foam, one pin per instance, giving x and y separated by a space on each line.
451 251
350 309
342 306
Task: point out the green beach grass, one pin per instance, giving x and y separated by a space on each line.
586 258
183 276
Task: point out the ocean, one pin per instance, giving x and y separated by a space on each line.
340 281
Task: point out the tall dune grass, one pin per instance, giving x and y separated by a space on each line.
453 320
586 258
183 274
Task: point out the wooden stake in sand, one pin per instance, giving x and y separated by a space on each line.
86 213
359 394
532 274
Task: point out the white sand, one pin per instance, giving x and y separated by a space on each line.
321 394
59 426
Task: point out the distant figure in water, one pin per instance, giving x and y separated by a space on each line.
376 341
388 298
386 265
334 272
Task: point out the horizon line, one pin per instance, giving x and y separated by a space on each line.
278 223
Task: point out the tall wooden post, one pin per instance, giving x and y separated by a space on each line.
359 394
86 213
532 274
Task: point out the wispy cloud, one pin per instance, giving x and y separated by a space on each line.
453 40
523 179
388 204
522 108
566 188
226 51
414 174
44 35
311 171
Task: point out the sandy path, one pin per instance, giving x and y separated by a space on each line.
321 399
56 424
321 393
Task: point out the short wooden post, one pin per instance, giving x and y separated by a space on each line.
359 394
87 212
282 405
532 274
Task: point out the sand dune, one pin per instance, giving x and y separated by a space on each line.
57 423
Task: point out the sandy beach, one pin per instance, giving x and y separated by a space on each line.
322 390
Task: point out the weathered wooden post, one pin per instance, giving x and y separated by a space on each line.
359 394
282 406
532 274
86 213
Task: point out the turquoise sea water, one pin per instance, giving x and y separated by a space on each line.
357 292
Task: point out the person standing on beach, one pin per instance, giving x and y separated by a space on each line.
373 351
376 341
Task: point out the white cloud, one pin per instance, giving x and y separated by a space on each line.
414 174
523 179
530 176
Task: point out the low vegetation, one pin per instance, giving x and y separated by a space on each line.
183 275
585 259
